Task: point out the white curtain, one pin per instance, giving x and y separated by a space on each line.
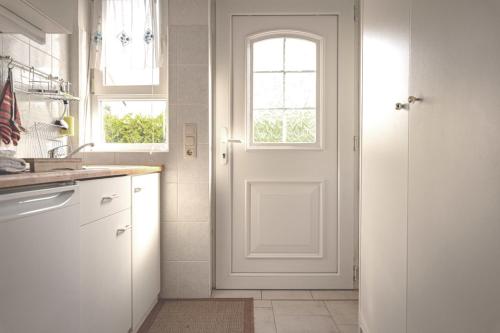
126 35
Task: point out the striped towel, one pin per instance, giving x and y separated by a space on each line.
10 119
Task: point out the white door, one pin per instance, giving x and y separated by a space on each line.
285 123
454 174
384 165
145 246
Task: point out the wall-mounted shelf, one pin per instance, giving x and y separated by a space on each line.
34 82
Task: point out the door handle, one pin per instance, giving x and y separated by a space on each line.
401 106
122 230
225 140
406 106
413 99
109 198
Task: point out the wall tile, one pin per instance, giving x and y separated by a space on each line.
169 201
47 47
170 279
97 158
18 50
194 170
191 84
40 60
193 201
60 45
186 241
60 68
189 45
197 114
188 12
185 279
195 277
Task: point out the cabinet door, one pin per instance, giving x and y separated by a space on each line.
105 275
454 179
145 246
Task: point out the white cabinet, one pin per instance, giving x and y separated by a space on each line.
35 18
145 246
430 172
105 275
120 252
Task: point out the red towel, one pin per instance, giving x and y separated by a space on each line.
10 119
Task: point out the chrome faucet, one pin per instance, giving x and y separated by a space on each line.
52 152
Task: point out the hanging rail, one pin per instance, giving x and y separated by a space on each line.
63 87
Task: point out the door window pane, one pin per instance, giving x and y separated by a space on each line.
267 90
300 55
300 90
268 126
268 55
284 91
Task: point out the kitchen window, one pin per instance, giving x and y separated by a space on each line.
129 76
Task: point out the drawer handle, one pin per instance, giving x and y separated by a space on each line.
109 198
137 189
122 230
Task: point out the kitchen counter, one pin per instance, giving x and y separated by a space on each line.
89 172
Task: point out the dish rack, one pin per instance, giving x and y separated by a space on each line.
42 137
31 81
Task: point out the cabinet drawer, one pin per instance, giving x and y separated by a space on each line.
102 197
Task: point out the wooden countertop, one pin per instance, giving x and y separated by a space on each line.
91 172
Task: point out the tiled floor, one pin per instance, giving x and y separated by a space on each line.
301 311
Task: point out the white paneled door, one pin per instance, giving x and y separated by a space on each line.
285 163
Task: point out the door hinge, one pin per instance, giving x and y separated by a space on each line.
92 81
355 144
356 273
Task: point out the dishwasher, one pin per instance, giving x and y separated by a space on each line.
39 259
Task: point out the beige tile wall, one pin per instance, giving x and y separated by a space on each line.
51 57
185 229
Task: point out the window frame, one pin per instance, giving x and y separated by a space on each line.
249 128
98 92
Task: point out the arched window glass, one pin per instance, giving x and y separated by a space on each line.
284 90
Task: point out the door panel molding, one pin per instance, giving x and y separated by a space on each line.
312 247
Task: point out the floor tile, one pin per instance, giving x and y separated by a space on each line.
306 308
305 324
335 294
348 328
255 294
264 321
343 312
286 294
262 303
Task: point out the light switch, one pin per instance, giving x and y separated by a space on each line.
190 141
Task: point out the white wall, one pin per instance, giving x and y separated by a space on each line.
185 204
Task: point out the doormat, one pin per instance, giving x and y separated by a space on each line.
211 315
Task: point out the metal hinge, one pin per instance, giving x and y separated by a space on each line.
92 81
355 144
356 273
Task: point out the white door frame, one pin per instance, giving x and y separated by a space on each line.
348 97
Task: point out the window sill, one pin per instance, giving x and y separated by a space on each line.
130 148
